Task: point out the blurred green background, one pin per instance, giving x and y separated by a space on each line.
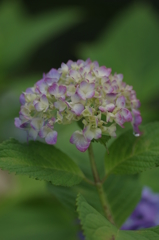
36 36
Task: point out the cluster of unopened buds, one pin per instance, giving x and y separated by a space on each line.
78 91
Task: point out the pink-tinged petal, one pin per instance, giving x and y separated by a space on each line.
64 68
111 96
75 75
25 125
22 99
90 78
52 76
37 123
103 109
81 94
53 90
39 106
43 132
90 94
95 64
79 140
69 63
62 90
30 90
78 109
44 99
137 117
86 90
50 81
120 76
53 73
80 62
119 119
83 85
32 133
126 114
43 87
51 138
88 61
110 107
135 103
89 135
120 102
97 133
103 71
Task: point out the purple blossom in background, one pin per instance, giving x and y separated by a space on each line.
81 236
146 214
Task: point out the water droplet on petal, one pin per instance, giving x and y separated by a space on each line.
136 134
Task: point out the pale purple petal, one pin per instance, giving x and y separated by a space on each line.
53 90
120 102
29 90
83 85
119 119
110 107
137 119
62 90
53 73
78 109
25 125
44 99
69 63
90 94
103 109
75 98
39 106
103 71
43 132
81 94
89 135
97 133
79 140
32 133
22 99
17 122
42 86
126 114
37 123
52 76
51 138
60 105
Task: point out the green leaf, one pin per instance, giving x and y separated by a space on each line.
122 192
37 219
131 155
103 140
130 46
40 161
96 226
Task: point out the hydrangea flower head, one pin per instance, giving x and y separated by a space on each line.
78 91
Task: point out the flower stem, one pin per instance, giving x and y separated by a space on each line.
99 186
